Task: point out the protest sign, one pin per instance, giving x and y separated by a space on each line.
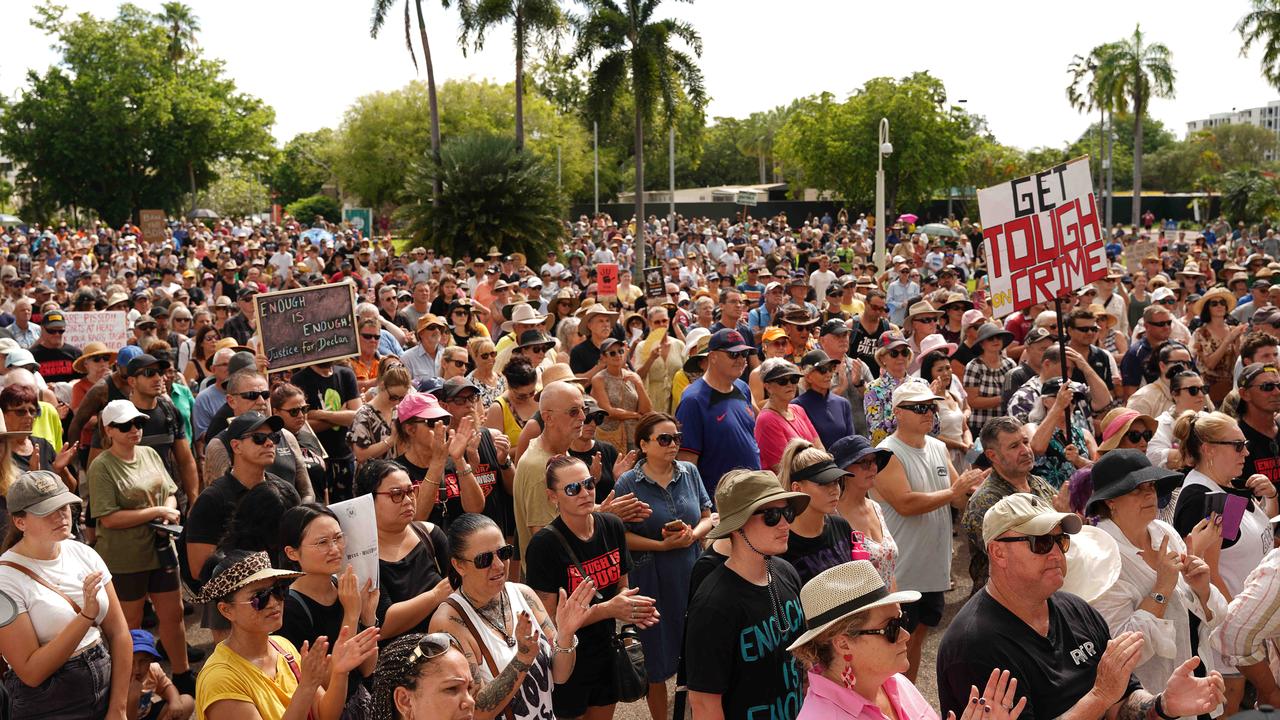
1139 251
360 219
1042 237
110 328
308 325
606 279
745 197
152 224
654 287
360 530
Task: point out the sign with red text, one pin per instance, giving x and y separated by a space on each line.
111 328
606 279
1042 237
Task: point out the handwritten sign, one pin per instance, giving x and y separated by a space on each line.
607 279
360 530
1139 251
307 326
745 197
152 224
1042 237
109 328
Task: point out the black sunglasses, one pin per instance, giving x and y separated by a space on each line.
890 630
485 559
300 410
1042 544
1266 386
138 423
261 438
259 600
149 372
1139 435
1192 390
572 489
254 394
774 515
370 337
1239 445
1160 323
920 408
899 352
787 380
666 439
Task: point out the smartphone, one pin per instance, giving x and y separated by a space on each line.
1230 507
174 530
674 526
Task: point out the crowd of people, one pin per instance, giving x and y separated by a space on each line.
749 473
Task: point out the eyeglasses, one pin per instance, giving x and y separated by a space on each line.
326 542
1042 544
24 411
295 412
573 412
254 394
463 398
134 424
259 600
1139 435
572 489
1160 323
890 631
485 559
1087 329
666 439
1265 386
398 495
920 408
259 438
1239 445
1192 390
774 515
367 336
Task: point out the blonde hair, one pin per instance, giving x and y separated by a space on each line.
818 651
477 345
1193 429
798 455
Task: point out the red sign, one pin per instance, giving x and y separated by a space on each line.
607 279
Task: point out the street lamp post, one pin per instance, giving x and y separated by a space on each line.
884 147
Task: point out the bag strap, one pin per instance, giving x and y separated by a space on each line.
425 536
573 558
36 576
293 668
508 712
303 602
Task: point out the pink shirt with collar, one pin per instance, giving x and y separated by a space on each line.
827 700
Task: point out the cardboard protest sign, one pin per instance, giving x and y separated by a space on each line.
110 328
654 287
308 325
607 279
1139 251
360 530
1042 237
152 224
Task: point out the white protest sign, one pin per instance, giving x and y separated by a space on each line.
360 528
1042 237
111 328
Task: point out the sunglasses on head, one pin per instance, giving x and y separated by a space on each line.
774 515
138 423
1042 544
259 600
485 559
572 489
890 630
1139 435
920 408
254 395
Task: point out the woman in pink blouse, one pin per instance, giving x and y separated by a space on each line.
779 421
855 650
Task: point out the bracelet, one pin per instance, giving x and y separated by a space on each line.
565 651
86 617
1159 708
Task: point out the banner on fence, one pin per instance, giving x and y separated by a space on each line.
1042 236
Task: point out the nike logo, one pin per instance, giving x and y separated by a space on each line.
720 417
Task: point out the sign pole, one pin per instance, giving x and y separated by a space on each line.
1062 352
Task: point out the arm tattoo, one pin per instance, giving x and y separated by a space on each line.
1140 705
498 692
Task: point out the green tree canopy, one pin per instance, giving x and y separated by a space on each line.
304 165
238 191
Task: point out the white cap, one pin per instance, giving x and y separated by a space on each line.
914 391
120 411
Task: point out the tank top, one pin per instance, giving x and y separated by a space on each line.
884 552
920 566
533 700
1253 542
510 426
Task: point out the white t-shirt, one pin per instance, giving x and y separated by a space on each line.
49 612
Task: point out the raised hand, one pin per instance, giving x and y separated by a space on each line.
572 610
349 592
1186 695
315 663
1168 566
998 700
369 603
526 638
92 582
352 649
597 466
64 457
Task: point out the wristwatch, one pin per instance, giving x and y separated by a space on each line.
1158 597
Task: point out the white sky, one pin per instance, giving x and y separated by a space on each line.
310 60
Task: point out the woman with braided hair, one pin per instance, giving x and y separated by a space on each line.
423 676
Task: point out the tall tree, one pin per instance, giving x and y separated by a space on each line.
1262 25
531 19
627 43
182 25
1135 71
1087 91
380 10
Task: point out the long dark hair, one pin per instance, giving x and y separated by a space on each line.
255 524
197 353
460 532
928 361
644 428
294 524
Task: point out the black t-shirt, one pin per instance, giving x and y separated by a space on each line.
706 563
1264 453
863 344
330 393
810 556
305 619
55 363
415 573
608 456
583 357
221 419
964 354
449 493
1100 361
1053 672
212 511
41 449
604 557
736 643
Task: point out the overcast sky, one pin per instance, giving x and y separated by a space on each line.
1008 60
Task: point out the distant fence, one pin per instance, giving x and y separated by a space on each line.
1165 207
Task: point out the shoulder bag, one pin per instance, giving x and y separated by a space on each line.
507 712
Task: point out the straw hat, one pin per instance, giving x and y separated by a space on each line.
921 309
1191 270
740 496
842 591
1117 422
1093 564
560 372
1102 314
1219 293
92 349
237 570
523 314
956 299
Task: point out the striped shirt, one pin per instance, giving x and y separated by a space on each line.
1252 623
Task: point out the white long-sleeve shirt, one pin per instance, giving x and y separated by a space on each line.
1251 625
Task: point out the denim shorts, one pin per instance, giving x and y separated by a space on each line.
79 689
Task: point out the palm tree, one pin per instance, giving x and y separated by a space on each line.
380 10
182 24
1086 92
1262 25
530 17
1136 71
632 45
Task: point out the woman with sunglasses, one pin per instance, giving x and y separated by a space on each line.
1123 428
863 462
201 364
621 394
1188 390
855 652
1162 585
819 537
255 673
412 556
28 452
423 436
558 557
517 404
423 676
371 433
893 355
953 409
1216 343
289 402
503 628
131 488
665 545
463 324
454 362
1155 397
491 383
658 359
536 347
779 421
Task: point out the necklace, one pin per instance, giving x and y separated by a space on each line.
499 625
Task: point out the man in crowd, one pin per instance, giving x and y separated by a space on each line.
830 413
423 359
331 392
1259 403
54 355
1157 322
716 416
23 330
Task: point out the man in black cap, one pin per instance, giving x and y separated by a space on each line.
240 326
830 413
56 358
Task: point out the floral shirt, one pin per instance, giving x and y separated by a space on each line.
369 428
878 402
1203 345
489 393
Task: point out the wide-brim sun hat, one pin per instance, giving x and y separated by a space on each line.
560 372
840 592
523 314
1116 423
1217 293
1120 472
922 309
239 569
740 496
992 330
850 450
1093 564
937 342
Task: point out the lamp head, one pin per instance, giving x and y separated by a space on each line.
886 148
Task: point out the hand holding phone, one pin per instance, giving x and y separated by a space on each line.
673 527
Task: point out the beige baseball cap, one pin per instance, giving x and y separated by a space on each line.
1026 514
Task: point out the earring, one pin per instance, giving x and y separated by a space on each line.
846 675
